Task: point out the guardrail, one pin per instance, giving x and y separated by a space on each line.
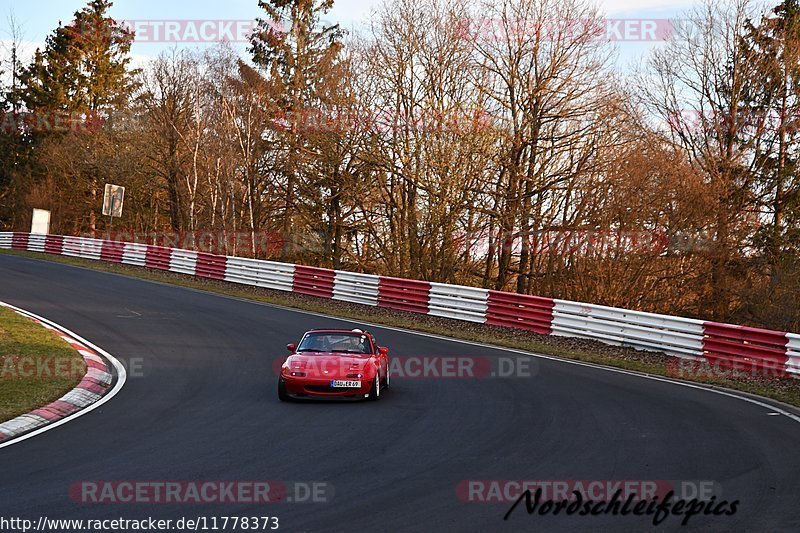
458 302
723 345
793 353
520 311
313 281
267 274
643 331
403 294
745 348
356 288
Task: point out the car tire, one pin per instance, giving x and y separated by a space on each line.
386 379
375 392
282 395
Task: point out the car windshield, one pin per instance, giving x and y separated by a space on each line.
335 342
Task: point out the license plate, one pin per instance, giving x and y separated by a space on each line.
345 384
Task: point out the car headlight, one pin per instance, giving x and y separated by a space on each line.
354 376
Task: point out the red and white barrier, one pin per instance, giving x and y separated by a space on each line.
720 344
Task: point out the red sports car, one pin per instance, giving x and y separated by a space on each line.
334 364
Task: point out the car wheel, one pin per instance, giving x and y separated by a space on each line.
375 393
282 396
386 380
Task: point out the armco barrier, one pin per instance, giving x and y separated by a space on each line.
135 254
644 331
457 302
112 251
403 294
793 354
183 262
745 348
19 241
356 288
210 266
83 247
54 244
313 281
520 311
157 257
720 344
36 243
268 274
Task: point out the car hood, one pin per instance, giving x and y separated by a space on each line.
332 365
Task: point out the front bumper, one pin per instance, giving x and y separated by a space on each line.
320 389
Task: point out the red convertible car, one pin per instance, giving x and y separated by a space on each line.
331 364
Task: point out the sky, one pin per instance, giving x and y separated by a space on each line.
37 18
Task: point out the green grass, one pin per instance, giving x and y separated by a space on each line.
786 390
36 365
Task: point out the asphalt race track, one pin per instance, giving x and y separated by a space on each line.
201 405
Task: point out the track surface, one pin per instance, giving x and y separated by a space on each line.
203 407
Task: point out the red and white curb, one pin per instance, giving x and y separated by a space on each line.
94 389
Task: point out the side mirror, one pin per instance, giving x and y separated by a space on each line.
383 350
291 347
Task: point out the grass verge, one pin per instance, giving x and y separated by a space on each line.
783 389
36 365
